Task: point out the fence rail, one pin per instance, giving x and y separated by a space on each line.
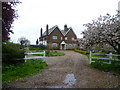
35 57
110 58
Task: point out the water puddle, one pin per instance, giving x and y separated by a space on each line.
70 80
59 86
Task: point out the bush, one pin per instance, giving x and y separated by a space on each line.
82 52
11 53
38 47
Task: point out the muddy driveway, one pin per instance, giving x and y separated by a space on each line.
69 71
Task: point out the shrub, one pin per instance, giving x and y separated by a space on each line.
11 53
38 47
82 52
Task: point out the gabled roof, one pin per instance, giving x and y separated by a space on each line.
53 28
63 42
49 30
69 30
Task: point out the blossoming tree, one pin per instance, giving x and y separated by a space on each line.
106 29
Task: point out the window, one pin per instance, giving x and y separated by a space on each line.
61 38
54 37
54 44
66 38
73 39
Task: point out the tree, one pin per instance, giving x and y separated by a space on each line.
106 29
23 41
8 16
37 42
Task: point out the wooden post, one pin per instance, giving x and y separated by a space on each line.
110 58
25 58
90 57
44 55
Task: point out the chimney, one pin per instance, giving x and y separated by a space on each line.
47 29
65 27
41 32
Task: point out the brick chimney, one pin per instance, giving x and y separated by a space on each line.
65 27
41 32
47 29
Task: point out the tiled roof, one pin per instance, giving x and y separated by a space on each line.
51 29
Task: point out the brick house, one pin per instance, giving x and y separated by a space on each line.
59 39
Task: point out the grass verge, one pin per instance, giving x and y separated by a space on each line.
114 67
13 72
82 52
54 53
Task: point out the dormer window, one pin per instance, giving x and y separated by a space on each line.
66 38
73 39
54 37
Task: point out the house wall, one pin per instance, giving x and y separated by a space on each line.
70 35
43 42
71 44
50 39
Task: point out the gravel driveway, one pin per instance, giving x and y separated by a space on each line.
69 71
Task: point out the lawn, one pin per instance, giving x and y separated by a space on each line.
54 53
114 67
13 72
49 53
100 64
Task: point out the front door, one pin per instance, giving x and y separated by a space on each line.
63 46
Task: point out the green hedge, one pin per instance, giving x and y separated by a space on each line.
38 47
82 52
11 53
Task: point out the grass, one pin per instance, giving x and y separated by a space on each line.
51 53
36 50
13 72
82 52
114 67
54 53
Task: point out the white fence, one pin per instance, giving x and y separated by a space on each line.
34 57
110 57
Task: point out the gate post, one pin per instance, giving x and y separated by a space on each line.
90 57
110 58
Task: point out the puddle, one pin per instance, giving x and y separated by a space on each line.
70 80
59 86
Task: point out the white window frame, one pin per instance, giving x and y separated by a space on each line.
54 44
66 38
61 38
73 38
54 37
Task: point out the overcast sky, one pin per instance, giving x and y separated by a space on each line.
35 14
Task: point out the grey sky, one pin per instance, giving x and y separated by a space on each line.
36 14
